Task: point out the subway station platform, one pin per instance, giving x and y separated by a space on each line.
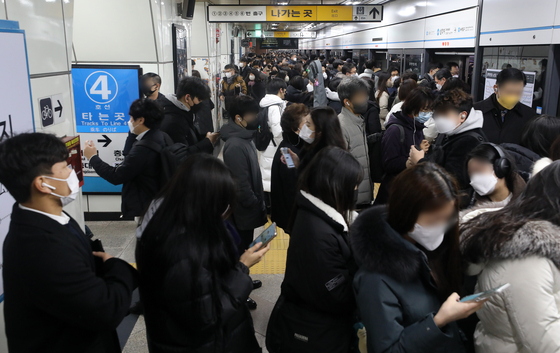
119 240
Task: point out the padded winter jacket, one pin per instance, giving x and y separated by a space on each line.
276 106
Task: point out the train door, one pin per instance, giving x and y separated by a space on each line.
462 57
380 57
406 60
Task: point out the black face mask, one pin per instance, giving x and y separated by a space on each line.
360 108
147 91
252 125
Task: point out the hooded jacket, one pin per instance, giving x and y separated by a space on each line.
315 311
396 295
276 106
240 155
354 131
525 317
450 150
524 159
333 100
511 128
178 123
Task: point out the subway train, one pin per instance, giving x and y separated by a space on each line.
280 176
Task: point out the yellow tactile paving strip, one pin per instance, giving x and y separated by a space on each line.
274 261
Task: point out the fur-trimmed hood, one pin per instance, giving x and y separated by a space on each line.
535 238
379 248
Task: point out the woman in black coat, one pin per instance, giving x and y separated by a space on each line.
409 261
283 179
194 285
315 311
255 85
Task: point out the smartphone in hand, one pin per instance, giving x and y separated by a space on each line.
287 157
266 236
484 295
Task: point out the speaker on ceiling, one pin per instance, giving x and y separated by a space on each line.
188 9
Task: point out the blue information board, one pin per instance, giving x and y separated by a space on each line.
102 98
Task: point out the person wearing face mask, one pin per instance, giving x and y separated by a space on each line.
232 85
504 115
315 311
441 77
520 245
410 266
405 128
353 93
382 96
193 280
297 92
460 130
244 69
494 179
179 115
240 155
140 171
274 102
296 134
255 85
55 285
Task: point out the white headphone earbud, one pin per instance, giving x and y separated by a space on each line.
238 119
347 103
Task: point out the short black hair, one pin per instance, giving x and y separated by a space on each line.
275 85
370 64
229 66
346 68
443 73
409 75
243 59
405 88
349 86
149 75
242 105
452 64
27 156
297 82
432 67
511 75
418 99
393 68
147 109
194 87
337 63
256 63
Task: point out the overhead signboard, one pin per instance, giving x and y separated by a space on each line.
299 13
527 98
276 34
102 98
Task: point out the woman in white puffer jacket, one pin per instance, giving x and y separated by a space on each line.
519 245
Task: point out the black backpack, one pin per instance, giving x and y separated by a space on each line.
171 156
263 135
377 172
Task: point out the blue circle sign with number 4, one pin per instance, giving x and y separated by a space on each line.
101 87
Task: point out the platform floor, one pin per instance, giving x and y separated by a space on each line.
118 238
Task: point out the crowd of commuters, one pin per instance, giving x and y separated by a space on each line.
469 200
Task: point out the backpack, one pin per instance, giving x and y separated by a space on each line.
436 153
171 156
263 136
377 172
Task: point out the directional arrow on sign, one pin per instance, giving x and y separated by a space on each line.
59 108
107 140
374 11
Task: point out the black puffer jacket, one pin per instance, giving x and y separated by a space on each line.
396 295
188 313
524 159
315 311
139 173
240 155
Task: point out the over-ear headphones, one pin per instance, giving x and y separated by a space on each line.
502 165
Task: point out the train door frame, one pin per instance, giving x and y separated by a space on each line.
464 53
403 54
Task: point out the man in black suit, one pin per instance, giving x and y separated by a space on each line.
56 298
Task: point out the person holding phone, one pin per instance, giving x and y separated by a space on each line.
410 266
519 245
194 284
283 181
315 311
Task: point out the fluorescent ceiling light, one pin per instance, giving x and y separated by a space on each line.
282 3
407 11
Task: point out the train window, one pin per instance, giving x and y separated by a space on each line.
533 58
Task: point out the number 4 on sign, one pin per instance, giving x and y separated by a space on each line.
104 91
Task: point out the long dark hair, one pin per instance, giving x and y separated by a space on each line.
540 133
382 85
332 176
423 188
188 223
483 236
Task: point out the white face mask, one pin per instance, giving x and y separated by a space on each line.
73 184
287 79
228 74
484 184
429 237
252 77
439 86
241 64
394 78
445 125
305 134
131 126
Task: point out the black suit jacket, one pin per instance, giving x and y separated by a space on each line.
54 302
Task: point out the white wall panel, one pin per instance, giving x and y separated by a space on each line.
44 31
168 13
533 37
199 44
167 78
2 10
434 7
406 35
457 29
500 15
118 31
47 86
68 15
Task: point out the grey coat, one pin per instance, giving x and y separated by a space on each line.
354 131
240 155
